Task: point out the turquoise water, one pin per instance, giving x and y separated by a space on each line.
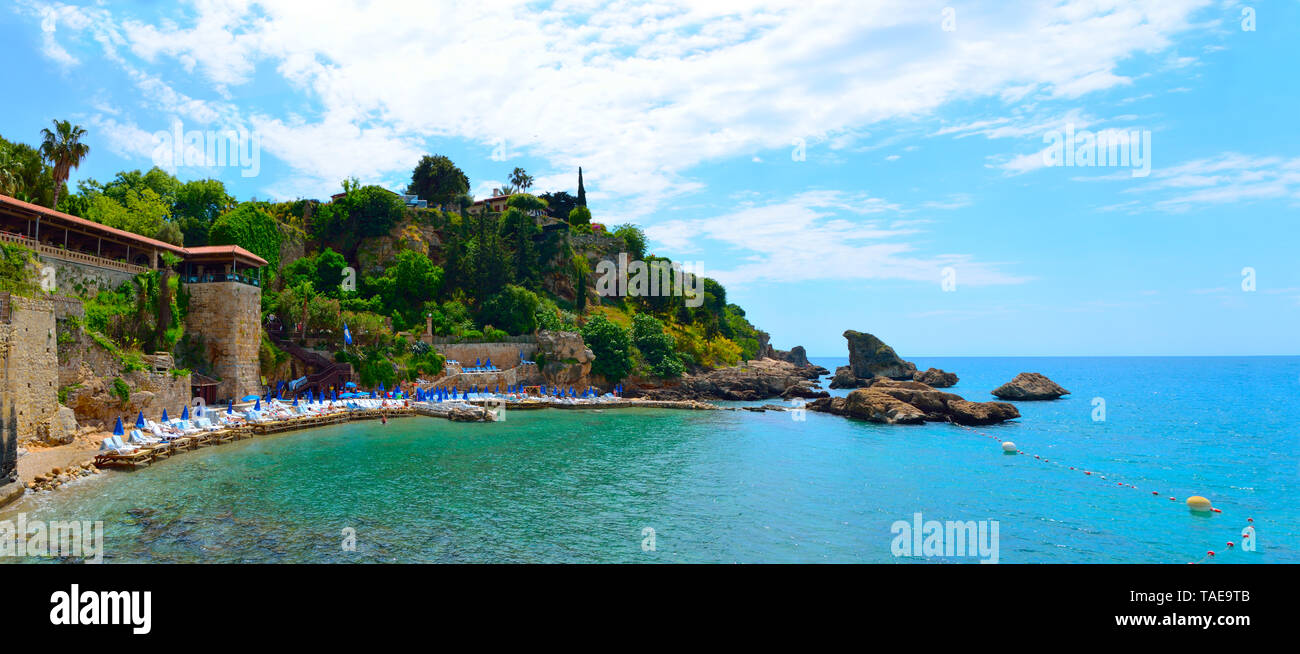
566 486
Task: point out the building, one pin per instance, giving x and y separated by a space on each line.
223 281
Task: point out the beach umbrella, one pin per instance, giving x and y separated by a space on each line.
466 396
258 406
477 364
185 412
336 396
230 408
117 429
139 420
248 398
350 385
295 400
164 416
381 387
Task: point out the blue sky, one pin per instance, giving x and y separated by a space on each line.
921 131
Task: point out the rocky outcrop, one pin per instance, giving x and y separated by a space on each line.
908 402
565 359
1030 386
936 378
754 380
796 355
844 378
870 357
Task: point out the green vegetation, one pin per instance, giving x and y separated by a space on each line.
121 390
64 150
612 346
252 228
16 268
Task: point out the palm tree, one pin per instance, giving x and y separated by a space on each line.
64 150
520 180
8 172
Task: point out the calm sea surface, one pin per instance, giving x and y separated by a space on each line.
564 486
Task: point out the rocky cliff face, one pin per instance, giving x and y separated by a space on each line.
909 402
89 374
796 355
567 360
374 253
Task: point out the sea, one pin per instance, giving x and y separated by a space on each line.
1102 477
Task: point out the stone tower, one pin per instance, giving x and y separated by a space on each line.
228 317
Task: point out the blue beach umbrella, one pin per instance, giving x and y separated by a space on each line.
139 420
258 406
248 398
295 400
185 412
117 429
381 387
164 416
350 385
466 396
230 408
336 395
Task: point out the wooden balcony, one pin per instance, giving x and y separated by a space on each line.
71 256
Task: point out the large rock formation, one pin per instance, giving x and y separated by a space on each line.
870 357
1030 386
936 378
565 358
908 402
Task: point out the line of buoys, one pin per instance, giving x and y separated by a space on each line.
1246 534
1195 503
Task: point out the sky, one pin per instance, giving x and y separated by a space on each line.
899 168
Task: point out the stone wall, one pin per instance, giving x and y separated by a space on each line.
28 347
228 316
89 373
503 355
84 279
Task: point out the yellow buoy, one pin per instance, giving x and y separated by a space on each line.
1198 503
1008 447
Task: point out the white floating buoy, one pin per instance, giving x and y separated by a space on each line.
1008 447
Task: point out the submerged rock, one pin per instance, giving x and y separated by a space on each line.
1030 386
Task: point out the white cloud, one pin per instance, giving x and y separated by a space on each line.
820 235
638 94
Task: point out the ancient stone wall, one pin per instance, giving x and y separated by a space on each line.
83 279
228 316
28 347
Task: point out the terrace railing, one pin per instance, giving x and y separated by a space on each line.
72 256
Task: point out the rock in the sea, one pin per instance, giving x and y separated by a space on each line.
936 378
870 357
908 402
1030 386
844 378
800 390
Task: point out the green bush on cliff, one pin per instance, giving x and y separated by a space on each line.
657 348
612 346
250 227
121 390
15 269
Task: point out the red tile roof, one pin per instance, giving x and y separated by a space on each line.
235 250
6 201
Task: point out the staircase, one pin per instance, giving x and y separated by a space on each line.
323 374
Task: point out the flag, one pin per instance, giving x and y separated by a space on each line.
347 334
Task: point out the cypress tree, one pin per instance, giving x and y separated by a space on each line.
582 192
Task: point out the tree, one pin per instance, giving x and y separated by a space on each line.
363 211
611 345
139 211
582 190
249 226
520 180
405 286
197 205
560 203
517 230
580 215
438 180
635 239
514 309
30 179
64 150
657 348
